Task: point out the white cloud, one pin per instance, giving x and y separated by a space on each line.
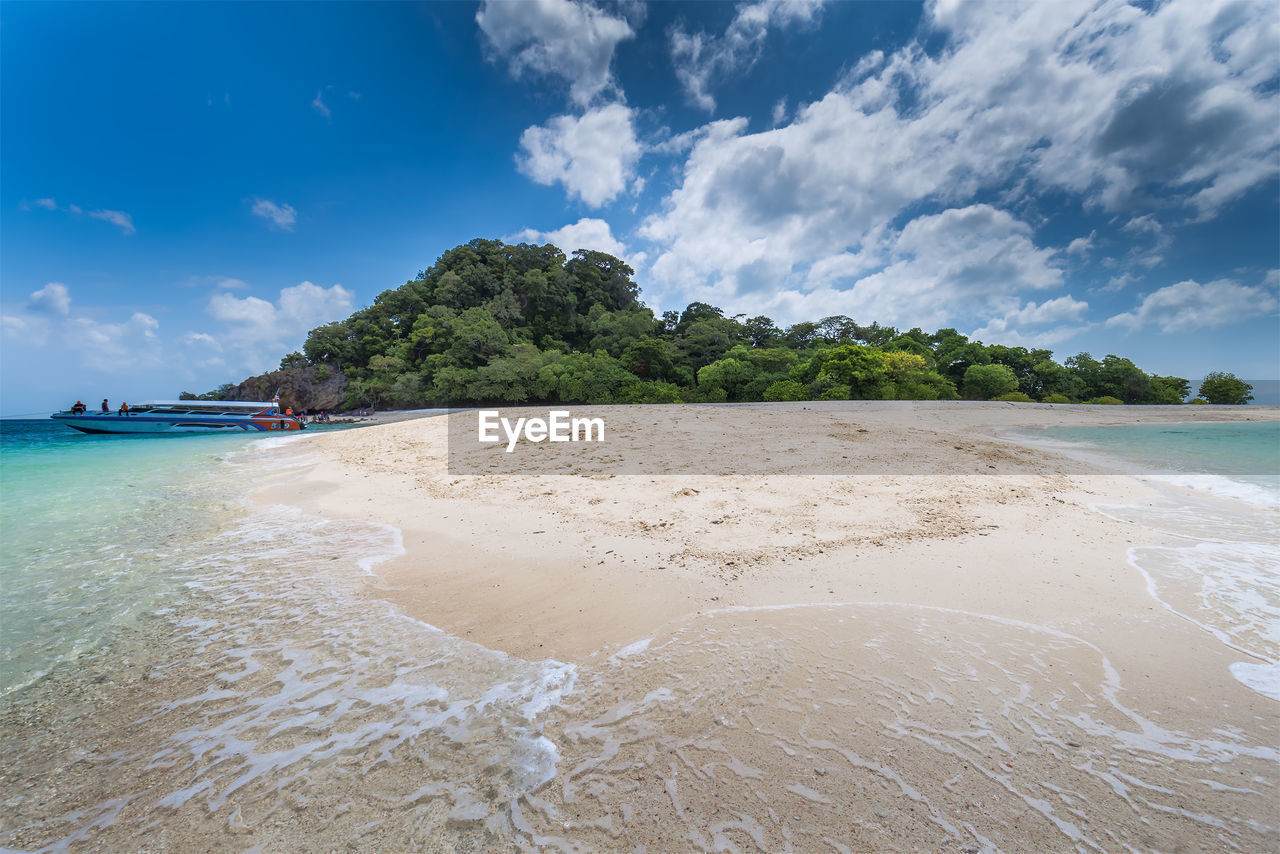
962 263
594 155
282 216
779 112
1017 326
1145 224
201 339
571 40
49 319
586 233
111 347
1189 305
320 106
1174 102
119 219
224 282
1119 283
701 60
1082 245
260 332
962 266
53 298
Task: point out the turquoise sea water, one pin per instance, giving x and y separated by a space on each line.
1247 451
187 650
85 523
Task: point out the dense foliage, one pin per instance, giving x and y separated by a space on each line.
498 323
1225 388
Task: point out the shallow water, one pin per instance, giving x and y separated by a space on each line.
246 674
892 728
1221 484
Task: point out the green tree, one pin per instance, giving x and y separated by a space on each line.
1223 388
293 360
1125 380
983 382
476 338
761 332
785 390
650 358
1169 390
703 341
849 371
508 379
729 375
954 353
585 378
911 379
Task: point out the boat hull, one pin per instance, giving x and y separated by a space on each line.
193 423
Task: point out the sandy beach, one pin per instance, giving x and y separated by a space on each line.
795 569
950 645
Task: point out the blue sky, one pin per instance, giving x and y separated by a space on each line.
189 187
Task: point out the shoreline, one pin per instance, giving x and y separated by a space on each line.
632 578
882 662
640 562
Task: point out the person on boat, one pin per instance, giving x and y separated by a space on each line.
78 408
105 407
124 409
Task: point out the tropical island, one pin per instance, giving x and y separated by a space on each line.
492 322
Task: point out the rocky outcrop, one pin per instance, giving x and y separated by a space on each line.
312 388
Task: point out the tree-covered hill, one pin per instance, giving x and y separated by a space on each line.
491 322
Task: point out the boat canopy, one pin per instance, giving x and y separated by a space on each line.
222 404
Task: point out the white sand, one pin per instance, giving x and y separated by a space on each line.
951 653
577 568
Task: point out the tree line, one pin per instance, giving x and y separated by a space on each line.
492 323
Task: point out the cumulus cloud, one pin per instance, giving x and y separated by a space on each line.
570 40
259 331
586 233
282 216
1025 326
1174 102
964 266
53 298
117 341
1189 305
1082 245
49 318
594 156
701 60
962 263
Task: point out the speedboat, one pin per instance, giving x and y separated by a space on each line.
185 416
